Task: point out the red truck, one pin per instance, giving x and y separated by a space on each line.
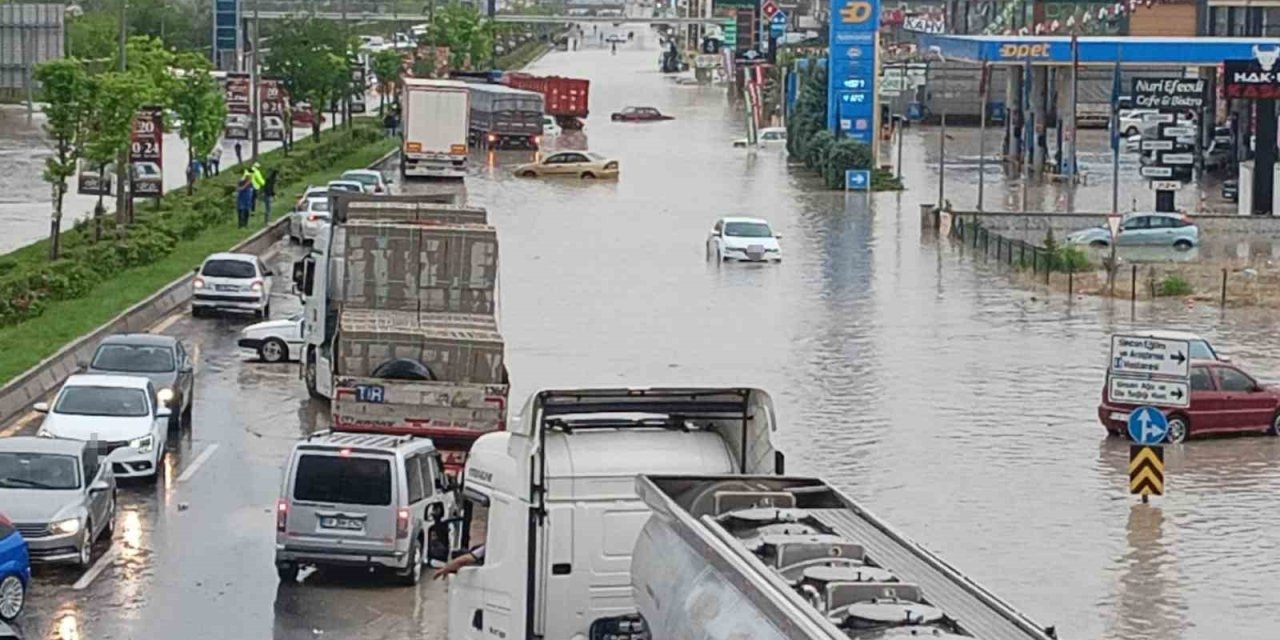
563 98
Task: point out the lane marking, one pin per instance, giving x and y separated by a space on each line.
98 567
195 464
20 424
166 323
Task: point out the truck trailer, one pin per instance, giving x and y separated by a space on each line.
505 118
435 128
565 99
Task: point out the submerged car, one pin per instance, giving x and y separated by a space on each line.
59 494
638 114
577 164
744 240
1143 229
15 572
768 138
162 359
274 340
1224 399
372 181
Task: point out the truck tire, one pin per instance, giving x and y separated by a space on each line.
309 375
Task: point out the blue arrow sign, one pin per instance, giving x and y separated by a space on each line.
857 180
1148 426
779 18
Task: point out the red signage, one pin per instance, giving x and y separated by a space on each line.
769 8
146 146
236 92
271 95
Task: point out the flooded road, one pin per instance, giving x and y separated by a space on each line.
958 408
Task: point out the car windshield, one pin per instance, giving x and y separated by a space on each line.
228 269
1200 350
344 187
343 480
45 471
362 178
747 230
319 204
133 357
117 402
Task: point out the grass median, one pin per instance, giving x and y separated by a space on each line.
28 342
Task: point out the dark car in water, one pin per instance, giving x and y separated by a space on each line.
1224 399
162 359
639 114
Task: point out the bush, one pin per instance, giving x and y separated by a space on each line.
844 155
1174 284
818 149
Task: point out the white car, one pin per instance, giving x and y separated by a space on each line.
372 181
233 282
1200 348
349 186
306 221
768 138
272 128
549 126
274 340
118 411
311 192
743 239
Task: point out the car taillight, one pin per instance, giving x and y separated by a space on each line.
198 283
493 138
282 514
256 286
402 523
312 218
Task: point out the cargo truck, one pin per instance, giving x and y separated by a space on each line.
504 118
435 126
400 329
565 99
553 500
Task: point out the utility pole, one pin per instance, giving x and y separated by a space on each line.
255 99
123 201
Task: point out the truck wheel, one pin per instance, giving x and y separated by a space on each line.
288 572
309 374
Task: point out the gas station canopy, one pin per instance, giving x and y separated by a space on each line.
1096 50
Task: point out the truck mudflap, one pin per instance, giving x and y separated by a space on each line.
454 414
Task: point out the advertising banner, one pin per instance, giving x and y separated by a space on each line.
1258 79
146 145
851 78
236 93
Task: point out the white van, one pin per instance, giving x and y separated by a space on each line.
554 502
365 500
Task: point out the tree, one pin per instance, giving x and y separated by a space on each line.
92 36
468 35
115 99
196 100
65 87
387 66
310 58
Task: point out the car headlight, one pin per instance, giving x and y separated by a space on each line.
164 395
143 444
68 526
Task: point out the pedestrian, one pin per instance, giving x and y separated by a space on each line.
215 159
388 123
395 123
244 200
194 170
258 181
239 157
268 192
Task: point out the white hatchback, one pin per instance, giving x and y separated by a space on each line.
306 221
233 282
120 412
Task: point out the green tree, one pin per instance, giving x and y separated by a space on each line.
196 99
115 99
65 87
468 35
310 58
387 66
92 36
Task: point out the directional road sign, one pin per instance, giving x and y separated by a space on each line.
1165 393
1156 356
778 24
1178 131
1165 185
857 180
1157 145
1146 471
1157 172
1177 158
1148 426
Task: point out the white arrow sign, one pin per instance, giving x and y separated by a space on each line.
1178 131
1165 118
1161 393
1157 145
1138 355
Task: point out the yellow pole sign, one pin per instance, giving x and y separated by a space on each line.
1146 470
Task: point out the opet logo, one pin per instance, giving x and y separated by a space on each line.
855 12
1024 50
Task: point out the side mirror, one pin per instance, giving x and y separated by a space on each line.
100 486
186 366
41 407
163 412
268 273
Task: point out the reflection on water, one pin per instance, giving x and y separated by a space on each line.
68 626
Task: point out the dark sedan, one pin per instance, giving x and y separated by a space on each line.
163 359
1224 399
638 114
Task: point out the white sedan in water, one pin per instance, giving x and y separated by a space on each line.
273 340
744 240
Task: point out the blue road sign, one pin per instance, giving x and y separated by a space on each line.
857 180
778 24
1147 426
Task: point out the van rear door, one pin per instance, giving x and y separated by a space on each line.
344 499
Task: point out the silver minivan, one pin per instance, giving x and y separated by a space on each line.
363 500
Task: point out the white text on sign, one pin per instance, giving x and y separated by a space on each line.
1160 393
1151 356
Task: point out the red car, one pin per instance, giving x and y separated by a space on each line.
304 115
1224 399
638 114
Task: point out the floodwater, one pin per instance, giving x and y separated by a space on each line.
957 407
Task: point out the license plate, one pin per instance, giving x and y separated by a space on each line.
227 287
348 524
1119 416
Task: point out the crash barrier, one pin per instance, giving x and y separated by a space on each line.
19 394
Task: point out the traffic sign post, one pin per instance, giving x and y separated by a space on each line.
1148 426
1152 373
857 180
1146 471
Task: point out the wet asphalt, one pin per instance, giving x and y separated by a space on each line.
904 370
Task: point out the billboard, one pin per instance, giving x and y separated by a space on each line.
29 33
146 145
851 77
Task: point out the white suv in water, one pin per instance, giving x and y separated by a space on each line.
232 281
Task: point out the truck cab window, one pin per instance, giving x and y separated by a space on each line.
475 522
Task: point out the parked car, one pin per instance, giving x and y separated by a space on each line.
743 239
236 126
362 499
1147 229
638 114
232 282
767 138
60 495
272 128
119 412
306 221
1200 349
1224 399
304 116
550 128
15 569
578 164
274 340
162 359
372 181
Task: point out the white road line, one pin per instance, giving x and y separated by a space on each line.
195 464
166 323
96 570
20 424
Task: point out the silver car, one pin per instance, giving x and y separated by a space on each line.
162 359
60 495
1143 229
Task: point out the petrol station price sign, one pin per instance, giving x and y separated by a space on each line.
146 145
851 80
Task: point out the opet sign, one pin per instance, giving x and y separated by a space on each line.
1020 51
